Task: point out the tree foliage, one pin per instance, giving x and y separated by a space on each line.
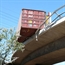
9 43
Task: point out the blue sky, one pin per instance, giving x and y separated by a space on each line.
61 63
10 9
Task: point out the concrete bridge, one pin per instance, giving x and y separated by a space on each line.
48 49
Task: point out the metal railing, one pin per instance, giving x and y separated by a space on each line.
54 20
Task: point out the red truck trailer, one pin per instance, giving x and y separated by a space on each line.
29 22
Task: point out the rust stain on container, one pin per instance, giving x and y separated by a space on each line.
26 33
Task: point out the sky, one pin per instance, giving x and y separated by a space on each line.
10 10
60 63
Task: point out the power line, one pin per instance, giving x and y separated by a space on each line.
7 20
10 10
8 25
37 32
8 16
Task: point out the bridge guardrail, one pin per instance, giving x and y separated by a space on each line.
55 19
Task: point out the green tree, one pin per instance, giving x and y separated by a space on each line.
9 44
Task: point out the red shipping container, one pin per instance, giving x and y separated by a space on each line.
36 12
34 16
25 34
30 12
35 22
24 15
29 22
25 11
